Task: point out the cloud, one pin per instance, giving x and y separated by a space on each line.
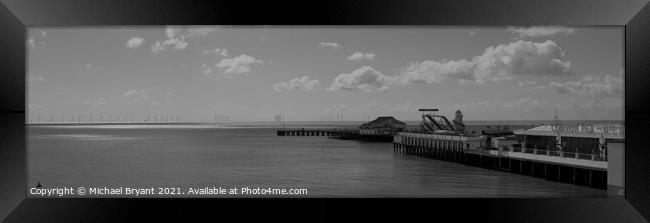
36 78
238 65
198 31
36 40
361 56
187 31
136 95
526 83
31 43
364 79
217 52
96 102
526 104
430 71
607 86
134 42
175 43
331 45
501 62
521 58
172 31
177 37
205 69
539 31
303 83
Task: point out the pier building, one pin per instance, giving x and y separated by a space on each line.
382 126
583 154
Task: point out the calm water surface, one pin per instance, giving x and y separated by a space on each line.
206 155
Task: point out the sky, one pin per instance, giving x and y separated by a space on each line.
252 73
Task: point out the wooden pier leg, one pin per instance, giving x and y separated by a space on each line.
574 175
545 171
532 168
590 178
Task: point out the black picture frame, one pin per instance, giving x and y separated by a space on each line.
16 15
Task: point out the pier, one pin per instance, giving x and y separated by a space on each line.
576 154
333 133
580 169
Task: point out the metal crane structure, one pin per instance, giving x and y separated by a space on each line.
434 123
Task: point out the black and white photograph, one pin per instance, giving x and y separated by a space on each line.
325 111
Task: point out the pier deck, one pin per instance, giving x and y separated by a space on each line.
580 169
334 133
344 134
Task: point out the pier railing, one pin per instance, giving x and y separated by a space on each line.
556 153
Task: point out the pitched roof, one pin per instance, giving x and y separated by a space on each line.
382 122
